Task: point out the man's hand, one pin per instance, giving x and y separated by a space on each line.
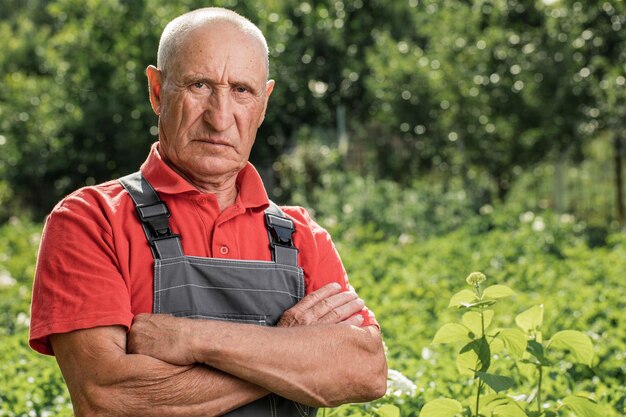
327 305
161 336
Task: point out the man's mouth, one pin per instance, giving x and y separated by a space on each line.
214 141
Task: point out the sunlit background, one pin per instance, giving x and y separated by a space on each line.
431 137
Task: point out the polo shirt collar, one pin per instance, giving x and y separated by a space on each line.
251 191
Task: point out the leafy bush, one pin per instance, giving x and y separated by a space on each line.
544 256
359 208
30 384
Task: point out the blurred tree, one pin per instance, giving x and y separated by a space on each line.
74 104
600 46
452 88
495 91
320 60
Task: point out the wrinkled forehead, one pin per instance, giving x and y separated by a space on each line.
220 46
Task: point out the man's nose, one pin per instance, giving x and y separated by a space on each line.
219 111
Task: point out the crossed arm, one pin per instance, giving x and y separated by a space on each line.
317 355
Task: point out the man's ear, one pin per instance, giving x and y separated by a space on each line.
269 87
154 87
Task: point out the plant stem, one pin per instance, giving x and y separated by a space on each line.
480 386
540 368
480 382
482 323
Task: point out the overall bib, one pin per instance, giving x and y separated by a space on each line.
254 292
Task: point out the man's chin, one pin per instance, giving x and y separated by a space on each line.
215 167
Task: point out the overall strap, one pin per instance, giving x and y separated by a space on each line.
280 229
153 214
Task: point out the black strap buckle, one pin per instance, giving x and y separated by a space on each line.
281 230
156 216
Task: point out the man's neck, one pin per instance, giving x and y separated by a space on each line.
224 188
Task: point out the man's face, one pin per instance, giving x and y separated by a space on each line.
211 102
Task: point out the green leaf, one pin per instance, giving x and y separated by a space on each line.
472 321
475 356
582 406
489 401
530 319
497 291
501 405
514 340
496 382
443 407
536 349
388 410
462 297
579 345
450 333
509 410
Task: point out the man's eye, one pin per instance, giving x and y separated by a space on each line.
241 89
199 84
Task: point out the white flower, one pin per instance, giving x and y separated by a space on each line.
527 217
539 225
6 280
398 384
22 320
404 238
426 353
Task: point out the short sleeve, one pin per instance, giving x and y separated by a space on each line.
78 283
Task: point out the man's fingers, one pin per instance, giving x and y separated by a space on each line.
333 309
344 311
334 306
318 295
328 304
355 320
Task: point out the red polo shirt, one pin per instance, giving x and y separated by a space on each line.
95 267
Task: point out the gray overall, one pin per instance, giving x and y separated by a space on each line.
254 292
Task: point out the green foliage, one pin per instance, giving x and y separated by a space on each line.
544 256
406 282
581 406
577 343
507 85
361 207
30 384
475 357
444 407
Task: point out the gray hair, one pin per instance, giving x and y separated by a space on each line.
176 31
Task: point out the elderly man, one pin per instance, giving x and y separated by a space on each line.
125 266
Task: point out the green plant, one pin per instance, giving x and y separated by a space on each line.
540 355
480 340
384 410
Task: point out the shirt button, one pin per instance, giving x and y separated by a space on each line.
224 250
